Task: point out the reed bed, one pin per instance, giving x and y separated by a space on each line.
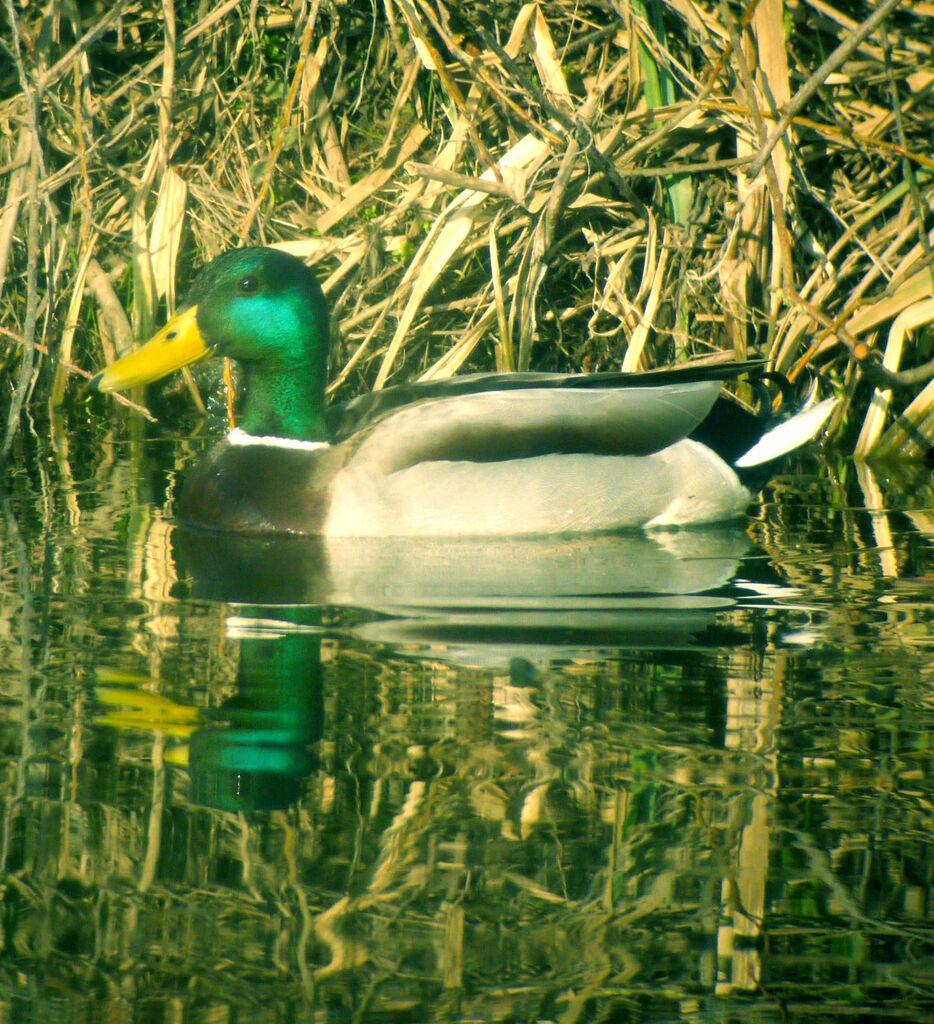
558 185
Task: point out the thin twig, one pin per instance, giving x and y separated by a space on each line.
807 91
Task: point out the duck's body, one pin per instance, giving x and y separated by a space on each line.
484 455
421 471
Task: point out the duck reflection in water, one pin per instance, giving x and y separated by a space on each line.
484 602
255 750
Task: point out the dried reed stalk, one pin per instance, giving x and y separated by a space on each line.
549 185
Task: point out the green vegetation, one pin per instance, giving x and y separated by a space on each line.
554 185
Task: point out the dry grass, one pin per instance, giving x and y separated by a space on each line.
556 185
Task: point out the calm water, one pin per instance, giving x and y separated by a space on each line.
687 778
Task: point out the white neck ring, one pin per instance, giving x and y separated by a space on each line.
240 437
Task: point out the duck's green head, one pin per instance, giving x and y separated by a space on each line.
263 308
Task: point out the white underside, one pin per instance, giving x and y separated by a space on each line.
684 484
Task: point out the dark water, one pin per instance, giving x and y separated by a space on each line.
619 779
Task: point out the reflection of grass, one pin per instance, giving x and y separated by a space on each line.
395 873
586 836
593 137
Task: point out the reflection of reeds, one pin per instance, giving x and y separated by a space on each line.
540 184
474 843
567 838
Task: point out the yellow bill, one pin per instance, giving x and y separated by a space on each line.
176 345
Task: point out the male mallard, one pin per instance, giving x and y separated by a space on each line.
507 454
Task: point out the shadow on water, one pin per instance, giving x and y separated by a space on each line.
623 778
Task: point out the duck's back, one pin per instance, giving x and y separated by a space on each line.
500 426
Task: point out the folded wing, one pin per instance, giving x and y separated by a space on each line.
515 424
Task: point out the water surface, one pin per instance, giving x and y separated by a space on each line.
686 778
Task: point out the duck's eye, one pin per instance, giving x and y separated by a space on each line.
248 285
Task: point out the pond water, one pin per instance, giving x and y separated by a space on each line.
679 778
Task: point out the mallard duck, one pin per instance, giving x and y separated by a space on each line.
486 454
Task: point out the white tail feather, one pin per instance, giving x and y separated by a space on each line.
787 436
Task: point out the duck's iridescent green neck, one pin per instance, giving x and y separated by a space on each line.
283 402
